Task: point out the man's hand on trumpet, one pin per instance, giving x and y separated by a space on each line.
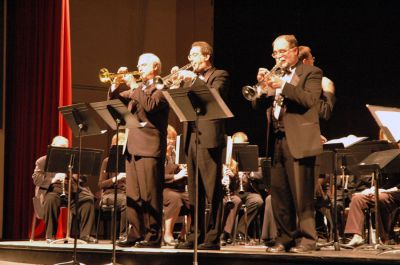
275 82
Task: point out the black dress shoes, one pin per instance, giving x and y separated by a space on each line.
277 248
89 239
226 238
209 246
170 243
301 249
185 245
126 243
147 244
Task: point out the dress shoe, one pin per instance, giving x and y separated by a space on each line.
185 245
89 239
50 240
301 249
126 243
356 241
170 243
147 244
226 238
277 248
209 246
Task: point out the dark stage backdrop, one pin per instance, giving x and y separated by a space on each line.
33 81
355 45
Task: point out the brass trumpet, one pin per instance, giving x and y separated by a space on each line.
253 92
170 79
105 76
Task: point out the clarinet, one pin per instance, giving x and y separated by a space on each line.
63 195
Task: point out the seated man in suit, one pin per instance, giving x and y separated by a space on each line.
54 187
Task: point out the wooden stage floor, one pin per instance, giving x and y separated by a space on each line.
39 252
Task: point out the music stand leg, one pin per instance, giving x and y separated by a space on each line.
114 216
377 244
74 259
67 239
335 243
196 207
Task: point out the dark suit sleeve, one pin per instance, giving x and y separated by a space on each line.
309 95
152 100
327 102
221 83
104 180
39 174
170 170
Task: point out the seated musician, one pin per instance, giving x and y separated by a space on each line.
55 187
243 191
176 198
389 202
106 184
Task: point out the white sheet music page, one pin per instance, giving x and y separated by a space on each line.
347 140
391 120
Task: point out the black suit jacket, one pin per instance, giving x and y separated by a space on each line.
301 119
150 108
211 132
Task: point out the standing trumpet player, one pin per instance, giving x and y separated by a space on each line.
293 141
209 150
145 155
52 190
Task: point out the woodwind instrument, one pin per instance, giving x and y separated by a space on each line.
228 161
63 195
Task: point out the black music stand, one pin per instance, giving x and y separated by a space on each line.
247 157
117 116
66 160
83 122
191 105
330 166
387 161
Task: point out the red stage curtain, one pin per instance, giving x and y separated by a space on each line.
65 97
34 49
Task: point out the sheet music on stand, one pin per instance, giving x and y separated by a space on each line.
247 157
347 141
180 151
388 119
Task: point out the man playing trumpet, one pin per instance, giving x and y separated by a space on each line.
145 153
293 141
210 145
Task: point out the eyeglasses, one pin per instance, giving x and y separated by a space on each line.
193 55
277 53
142 65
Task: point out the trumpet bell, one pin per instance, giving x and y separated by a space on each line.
249 93
104 75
